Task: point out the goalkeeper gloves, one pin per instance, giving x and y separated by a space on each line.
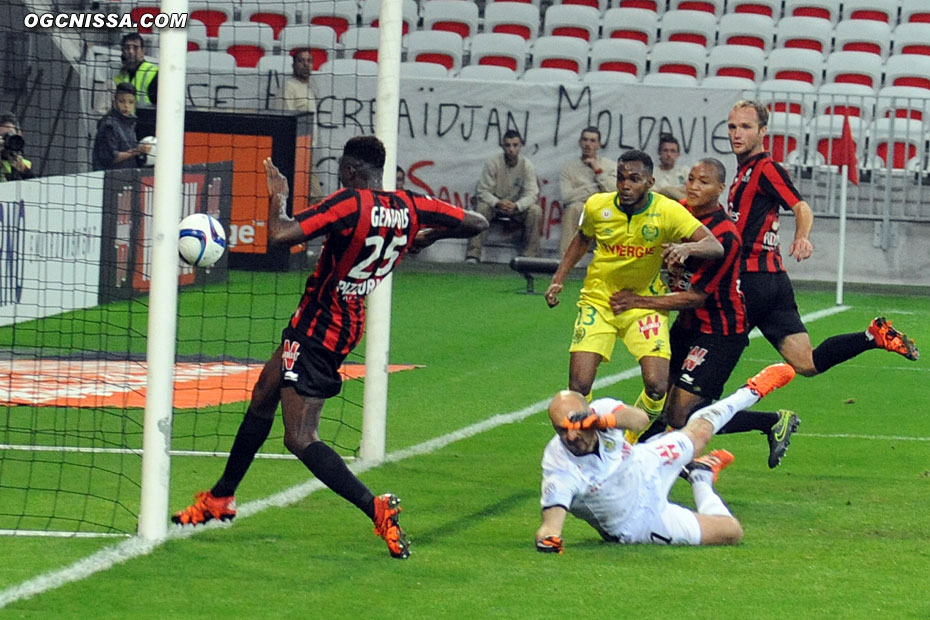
585 420
550 544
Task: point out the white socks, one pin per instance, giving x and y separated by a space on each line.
722 411
707 500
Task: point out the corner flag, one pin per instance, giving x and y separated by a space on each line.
844 152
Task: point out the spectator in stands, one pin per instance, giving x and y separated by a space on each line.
298 95
401 178
116 144
13 165
137 71
508 189
582 177
670 178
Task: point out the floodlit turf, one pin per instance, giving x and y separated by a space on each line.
838 531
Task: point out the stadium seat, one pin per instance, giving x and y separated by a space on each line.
512 18
196 36
687 26
895 142
799 64
549 74
821 9
656 6
727 82
851 99
211 14
870 10
210 61
914 11
560 53
908 70
320 40
247 42
789 96
340 15
500 49
736 61
414 69
349 66
714 7
458 16
676 80
678 57
769 8
785 137
746 29
903 102
805 33
275 14
441 47
535 3
619 55
572 20
826 130
912 38
278 63
608 77
854 67
487 73
600 5
371 13
626 23
361 43
863 35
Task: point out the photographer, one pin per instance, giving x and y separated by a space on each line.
13 166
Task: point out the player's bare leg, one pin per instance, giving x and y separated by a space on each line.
796 350
582 369
655 387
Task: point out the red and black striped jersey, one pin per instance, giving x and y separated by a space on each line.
367 231
761 186
723 312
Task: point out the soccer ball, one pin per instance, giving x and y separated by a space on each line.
202 240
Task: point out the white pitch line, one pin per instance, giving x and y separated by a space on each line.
135 547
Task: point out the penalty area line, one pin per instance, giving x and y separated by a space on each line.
136 547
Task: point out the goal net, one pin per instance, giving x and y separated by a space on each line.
76 243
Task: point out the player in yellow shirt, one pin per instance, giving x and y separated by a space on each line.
634 230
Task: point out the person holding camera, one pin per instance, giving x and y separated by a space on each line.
13 166
116 144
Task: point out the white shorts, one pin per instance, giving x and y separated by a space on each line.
657 520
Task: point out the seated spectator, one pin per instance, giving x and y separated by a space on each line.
116 144
136 70
401 178
13 165
508 189
669 177
580 178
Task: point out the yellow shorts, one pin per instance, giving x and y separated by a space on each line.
644 332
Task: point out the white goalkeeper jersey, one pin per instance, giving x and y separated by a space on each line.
622 491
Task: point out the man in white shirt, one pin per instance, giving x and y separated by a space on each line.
670 177
590 471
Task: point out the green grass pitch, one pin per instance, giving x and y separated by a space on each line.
839 530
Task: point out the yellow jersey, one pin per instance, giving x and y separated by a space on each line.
628 250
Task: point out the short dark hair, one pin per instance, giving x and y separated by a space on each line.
591 129
366 149
132 36
667 138
637 155
720 171
9 117
761 111
126 87
512 133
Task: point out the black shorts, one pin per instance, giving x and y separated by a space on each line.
309 367
770 305
701 363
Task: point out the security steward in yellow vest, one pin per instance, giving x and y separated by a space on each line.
138 71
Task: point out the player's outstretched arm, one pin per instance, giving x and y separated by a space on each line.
282 230
624 300
472 224
549 534
701 244
573 253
